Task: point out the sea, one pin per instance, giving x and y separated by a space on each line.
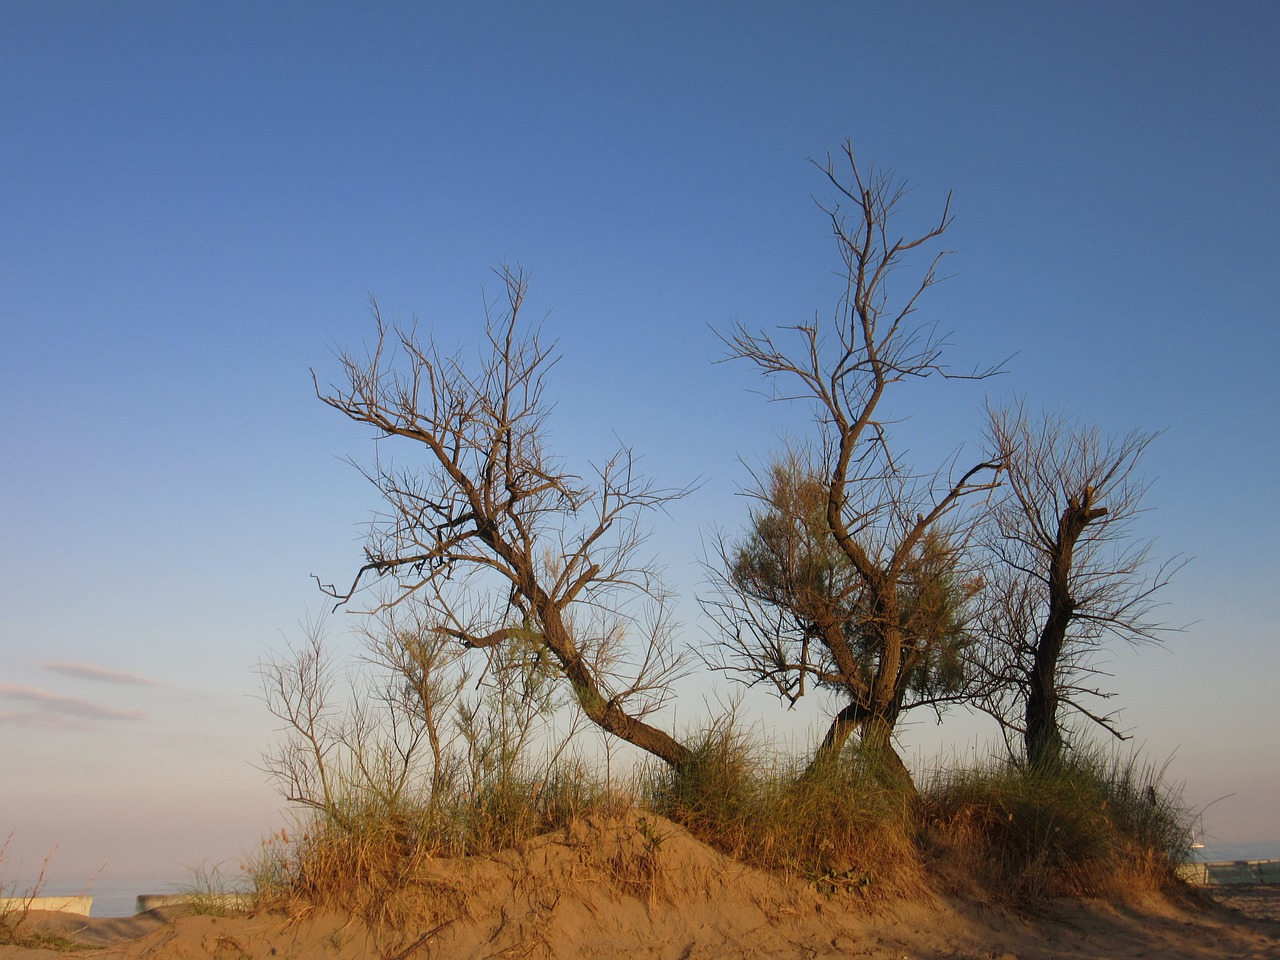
117 897
1213 852
112 896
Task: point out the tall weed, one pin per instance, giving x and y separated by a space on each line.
15 911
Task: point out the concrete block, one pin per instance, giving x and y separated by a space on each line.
1231 872
1239 871
79 905
1269 871
1196 873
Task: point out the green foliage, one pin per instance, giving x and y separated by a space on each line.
789 562
934 602
788 558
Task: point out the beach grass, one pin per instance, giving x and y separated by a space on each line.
15 911
836 825
366 855
211 893
1092 825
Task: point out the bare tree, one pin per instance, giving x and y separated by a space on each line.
342 750
420 687
1068 574
411 730
496 535
298 689
852 575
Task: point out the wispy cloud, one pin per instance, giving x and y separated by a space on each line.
89 671
37 718
60 706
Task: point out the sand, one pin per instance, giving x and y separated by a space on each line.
620 889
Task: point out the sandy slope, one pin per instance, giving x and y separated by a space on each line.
642 887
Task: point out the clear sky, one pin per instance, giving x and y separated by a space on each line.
196 200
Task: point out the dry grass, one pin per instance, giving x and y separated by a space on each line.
1090 826
630 857
372 859
15 927
368 868
838 827
211 894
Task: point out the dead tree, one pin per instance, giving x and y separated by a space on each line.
496 535
828 586
1068 575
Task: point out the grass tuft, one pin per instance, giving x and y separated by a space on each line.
370 858
838 826
211 894
15 913
1091 825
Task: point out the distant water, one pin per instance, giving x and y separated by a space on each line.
112 897
1214 852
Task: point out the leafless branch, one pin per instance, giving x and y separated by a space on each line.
852 575
493 531
1066 573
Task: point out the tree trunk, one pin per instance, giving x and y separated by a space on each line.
604 713
882 759
875 736
842 726
1043 737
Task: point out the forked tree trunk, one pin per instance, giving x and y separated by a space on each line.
1043 738
875 735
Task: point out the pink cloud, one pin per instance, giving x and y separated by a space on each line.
58 705
89 671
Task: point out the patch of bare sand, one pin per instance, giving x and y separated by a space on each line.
640 886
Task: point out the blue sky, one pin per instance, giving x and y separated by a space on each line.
196 201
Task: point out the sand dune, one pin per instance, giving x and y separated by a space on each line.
620 889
